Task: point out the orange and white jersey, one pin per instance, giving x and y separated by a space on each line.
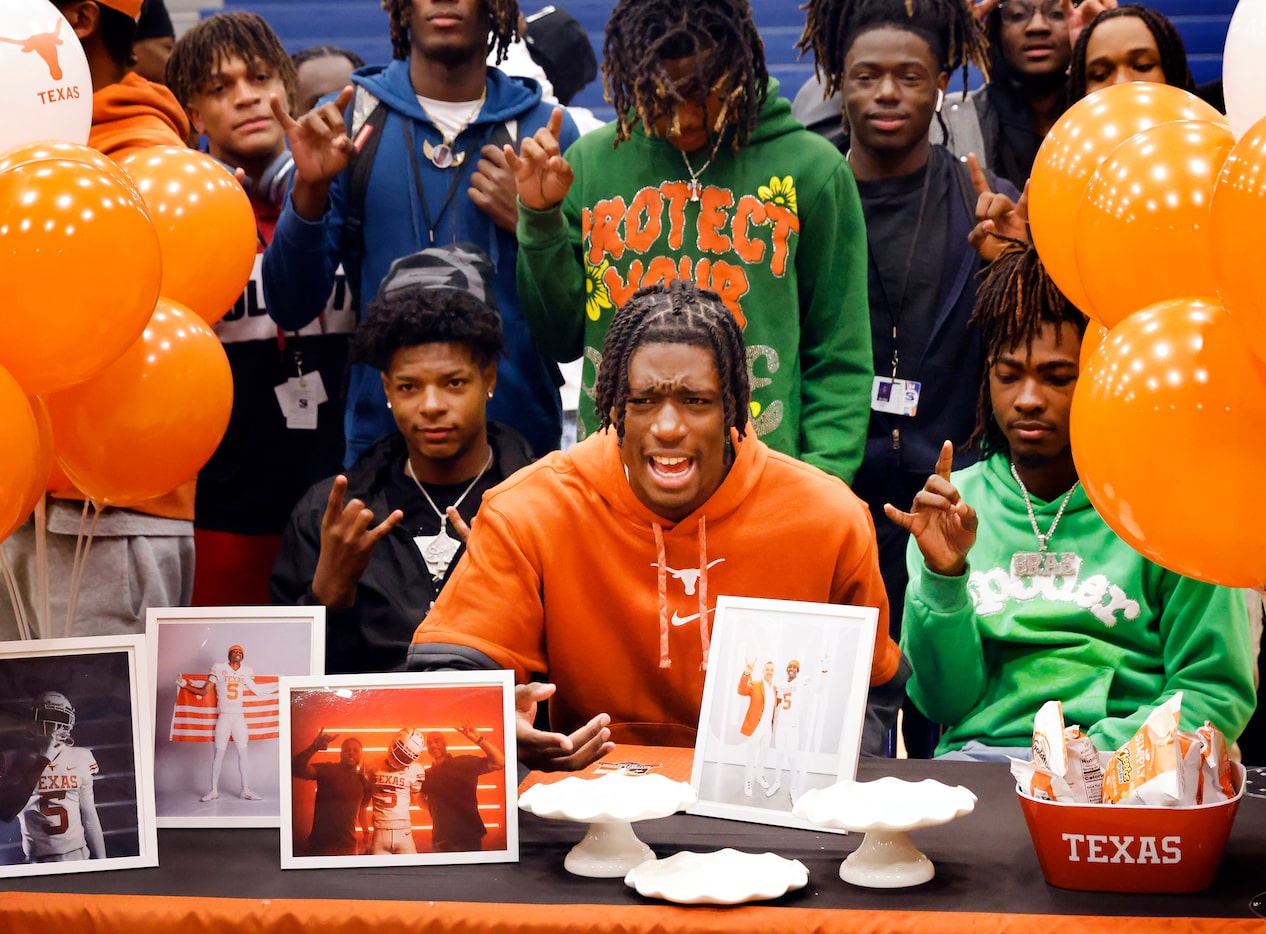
393 791
231 685
51 820
793 698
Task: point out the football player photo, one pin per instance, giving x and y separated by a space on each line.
783 704
72 745
216 704
398 769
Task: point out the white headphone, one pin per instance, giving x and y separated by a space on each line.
940 99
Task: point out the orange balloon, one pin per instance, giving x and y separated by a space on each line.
149 421
1170 405
1142 233
205 225
1075 146
63 149
24 450
80 265
1090 341
1235 223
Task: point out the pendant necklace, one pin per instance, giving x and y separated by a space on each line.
444 156
438 550
1039 563
693 187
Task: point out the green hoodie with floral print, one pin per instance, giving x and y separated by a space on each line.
776 230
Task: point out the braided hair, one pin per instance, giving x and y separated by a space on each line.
504 16
1173 55
1016 300
211 42
677 313
947 26
721 37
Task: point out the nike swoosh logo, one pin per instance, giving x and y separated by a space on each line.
682 620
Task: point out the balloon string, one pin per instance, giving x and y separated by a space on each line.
82 544
44 615
11 584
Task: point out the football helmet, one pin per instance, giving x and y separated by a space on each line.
406 747
54 716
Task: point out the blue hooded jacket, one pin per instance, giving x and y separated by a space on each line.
300 264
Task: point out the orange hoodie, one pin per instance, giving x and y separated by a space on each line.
136 114
568 575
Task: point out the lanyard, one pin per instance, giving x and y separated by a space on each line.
894 313
417 178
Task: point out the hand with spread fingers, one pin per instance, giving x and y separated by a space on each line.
321 149
347 541
942 524
541 173
999 220
556 752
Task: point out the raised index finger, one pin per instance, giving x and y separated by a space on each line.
555 124
283 116
978 179
945 460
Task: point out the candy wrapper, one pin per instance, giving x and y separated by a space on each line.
1065 764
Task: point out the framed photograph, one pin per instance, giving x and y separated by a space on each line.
398 769
75 756
216 708
784 700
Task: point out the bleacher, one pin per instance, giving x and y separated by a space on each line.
361 25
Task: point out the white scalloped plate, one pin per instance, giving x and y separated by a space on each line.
886 810
725 877
611 798
886 804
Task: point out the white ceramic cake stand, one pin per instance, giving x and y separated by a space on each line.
609 805
886 811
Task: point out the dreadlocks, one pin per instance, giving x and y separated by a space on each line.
677 313
948 26
208 44
504 16
1173 54
720 36
1016 300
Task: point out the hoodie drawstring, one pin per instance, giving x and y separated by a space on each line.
661 580
705 640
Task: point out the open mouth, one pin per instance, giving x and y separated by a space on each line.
671 471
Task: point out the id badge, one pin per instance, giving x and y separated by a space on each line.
895 396
299 398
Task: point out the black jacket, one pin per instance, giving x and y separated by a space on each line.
396 590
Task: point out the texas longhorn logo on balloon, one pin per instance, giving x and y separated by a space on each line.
45 84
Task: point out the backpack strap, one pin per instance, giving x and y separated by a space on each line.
367 117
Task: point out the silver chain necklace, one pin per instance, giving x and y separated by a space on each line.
444 156
693 187
438 550
1039 563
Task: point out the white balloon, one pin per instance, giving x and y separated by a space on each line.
1244 66
45 85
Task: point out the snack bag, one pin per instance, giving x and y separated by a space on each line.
1149 768
1065 764
1216 783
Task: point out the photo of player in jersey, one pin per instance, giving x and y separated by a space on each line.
783 705
231 681
72 745
433 754
52 778
218 760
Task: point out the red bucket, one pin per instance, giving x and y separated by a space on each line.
1123 848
